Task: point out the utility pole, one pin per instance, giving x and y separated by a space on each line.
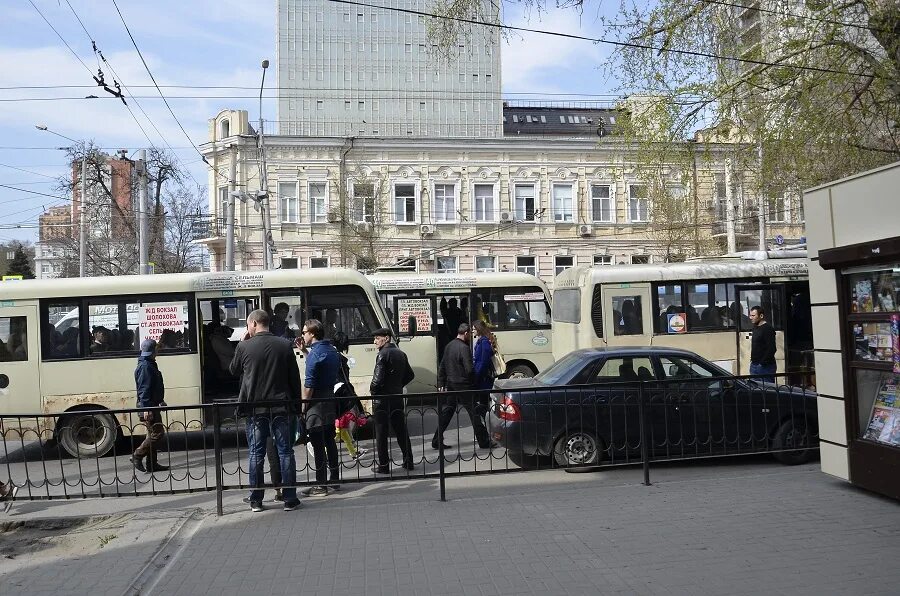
729 209
143 228
762 203
82 220
229 212
264 181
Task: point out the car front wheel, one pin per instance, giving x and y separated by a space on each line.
577 448
792 435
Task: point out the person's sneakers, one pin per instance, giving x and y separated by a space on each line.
291 505
9 496
256 506
382 470
278 496
138 462
317 491
359 454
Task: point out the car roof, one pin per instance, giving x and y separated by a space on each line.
634 351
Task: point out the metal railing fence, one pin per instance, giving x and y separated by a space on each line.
204 447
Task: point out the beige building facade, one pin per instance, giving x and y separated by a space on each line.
536 204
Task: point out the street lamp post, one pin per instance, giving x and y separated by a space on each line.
264 181
82 219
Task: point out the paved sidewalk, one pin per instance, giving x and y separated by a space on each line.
715 528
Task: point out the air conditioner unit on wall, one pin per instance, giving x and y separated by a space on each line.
506 216
426 229
585 230
426 254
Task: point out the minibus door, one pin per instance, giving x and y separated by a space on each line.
415 323
20 387
771 298
626 314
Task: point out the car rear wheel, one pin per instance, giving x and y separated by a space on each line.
792 434
577 448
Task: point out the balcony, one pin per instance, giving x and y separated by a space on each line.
206 229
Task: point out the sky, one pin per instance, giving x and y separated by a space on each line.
193 43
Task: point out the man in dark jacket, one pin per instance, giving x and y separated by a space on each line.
269 372
322 366
762 346
392 374
456 373
151 393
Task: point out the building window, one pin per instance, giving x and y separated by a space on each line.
45 268
638 203
447 264
778 208
526 265
444 202
318 262
602 260
223 203
288 205
404 203
562 262
640 259
483 203
320 104
524 202
485 264
288 263
602 203
562 203
363 204
317 202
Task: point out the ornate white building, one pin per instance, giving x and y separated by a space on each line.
537 203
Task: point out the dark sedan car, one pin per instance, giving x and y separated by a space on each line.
590 405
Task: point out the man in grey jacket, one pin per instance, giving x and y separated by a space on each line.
268 372
457 373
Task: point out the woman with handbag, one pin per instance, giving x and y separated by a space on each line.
350 410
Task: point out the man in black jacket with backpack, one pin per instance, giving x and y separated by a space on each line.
392 374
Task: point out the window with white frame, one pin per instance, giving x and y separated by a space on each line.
563 207
223 203
444 202
778 207
483 203
524 202
404 203
526 265
638 203
446 264
562 262
602 203
363 203
318 262
288 206
317 202
485 264
288 262
602 260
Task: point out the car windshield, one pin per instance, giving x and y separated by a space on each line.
563 371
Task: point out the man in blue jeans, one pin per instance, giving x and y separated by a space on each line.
269 373
762 346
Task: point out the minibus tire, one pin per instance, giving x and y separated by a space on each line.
520 371
85 435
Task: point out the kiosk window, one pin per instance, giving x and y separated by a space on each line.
13 339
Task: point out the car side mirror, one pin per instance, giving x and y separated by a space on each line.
413 325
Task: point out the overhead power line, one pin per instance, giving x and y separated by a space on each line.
156 85
26 171
612 42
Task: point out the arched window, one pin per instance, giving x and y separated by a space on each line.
226 129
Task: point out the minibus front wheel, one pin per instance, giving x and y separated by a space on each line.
87 434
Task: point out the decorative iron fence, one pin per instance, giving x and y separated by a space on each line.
88 453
